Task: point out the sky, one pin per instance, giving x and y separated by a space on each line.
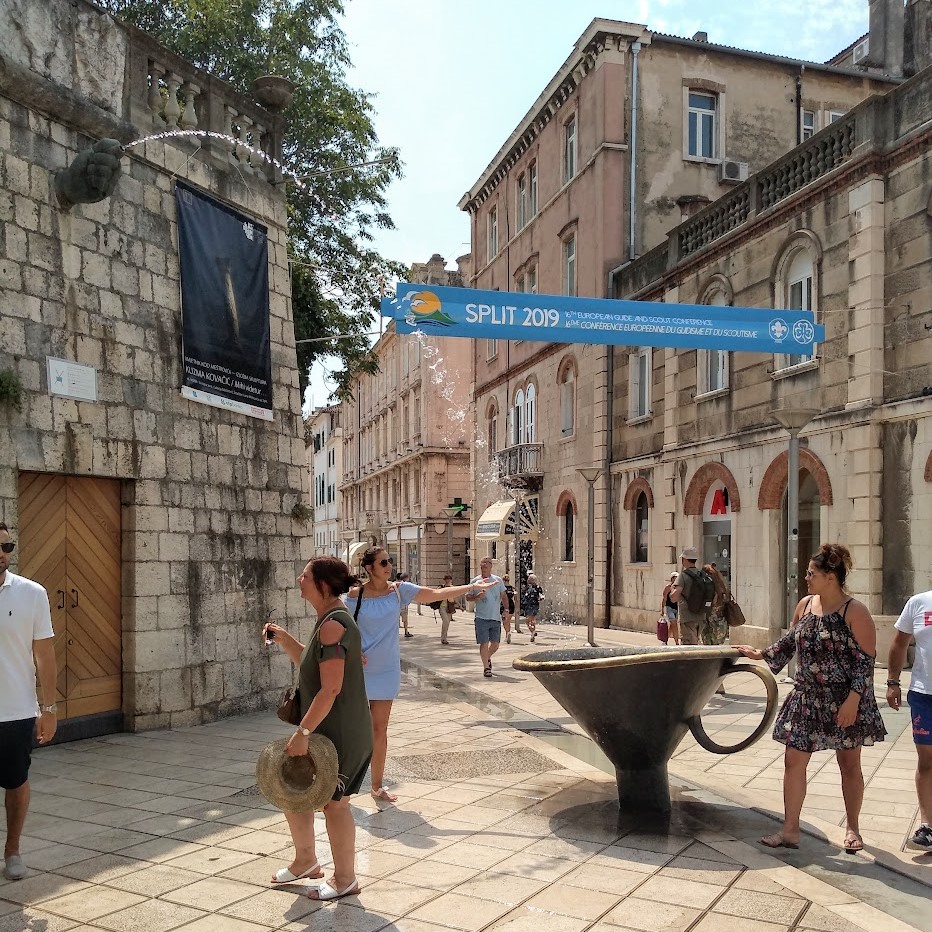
450 80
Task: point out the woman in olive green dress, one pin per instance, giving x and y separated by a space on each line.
333 703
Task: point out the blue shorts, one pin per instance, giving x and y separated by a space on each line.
488 630
920 709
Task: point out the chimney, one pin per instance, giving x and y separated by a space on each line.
701 37
917 37
887 22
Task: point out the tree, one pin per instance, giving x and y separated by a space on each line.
337 277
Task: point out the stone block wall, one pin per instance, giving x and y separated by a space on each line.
209 546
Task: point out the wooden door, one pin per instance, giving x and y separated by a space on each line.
70 543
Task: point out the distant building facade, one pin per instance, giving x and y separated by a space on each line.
407 440
323 438
636 132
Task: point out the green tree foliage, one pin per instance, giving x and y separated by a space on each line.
336 276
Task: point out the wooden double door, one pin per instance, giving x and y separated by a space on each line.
69 541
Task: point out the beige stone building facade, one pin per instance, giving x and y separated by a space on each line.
635 132
407 440
161 527
841 225
323 439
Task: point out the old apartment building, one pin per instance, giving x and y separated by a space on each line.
635 133
323 439
407 438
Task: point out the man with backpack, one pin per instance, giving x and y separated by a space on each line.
693 593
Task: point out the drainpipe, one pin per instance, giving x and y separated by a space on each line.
799 105
632 149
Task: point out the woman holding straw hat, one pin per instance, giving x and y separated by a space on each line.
334 704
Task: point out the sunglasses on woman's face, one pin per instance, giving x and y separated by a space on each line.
387 561
8 546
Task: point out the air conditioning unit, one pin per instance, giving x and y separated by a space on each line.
732 172
861 51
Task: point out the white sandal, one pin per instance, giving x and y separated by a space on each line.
382 795
326 892
285 876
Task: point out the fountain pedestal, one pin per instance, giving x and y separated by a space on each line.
637 703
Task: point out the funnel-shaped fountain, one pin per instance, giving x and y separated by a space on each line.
637 703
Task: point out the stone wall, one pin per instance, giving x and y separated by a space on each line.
208 543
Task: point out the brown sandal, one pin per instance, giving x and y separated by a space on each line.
853 842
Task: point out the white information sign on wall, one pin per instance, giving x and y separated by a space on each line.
72 379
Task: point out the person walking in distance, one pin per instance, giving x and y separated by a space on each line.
446 607
489 602
915 621
508 611
27 646
403 615
530 602
687 593
669 609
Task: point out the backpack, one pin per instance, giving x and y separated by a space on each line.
701 590
435 605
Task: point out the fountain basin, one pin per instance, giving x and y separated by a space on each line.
637 703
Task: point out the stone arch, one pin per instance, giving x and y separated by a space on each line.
702 480
773 485
566 363
717 282
928 472
634 490
566 498
801 239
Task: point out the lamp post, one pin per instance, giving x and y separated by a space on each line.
794 420
590 474
451 513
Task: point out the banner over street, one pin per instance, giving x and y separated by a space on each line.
502 315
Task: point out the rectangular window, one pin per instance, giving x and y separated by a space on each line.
569 149
532 190
639 363
491 350
521 204
808 126
701 125
569 265
800 299
530 280
834 115
493 233
716 370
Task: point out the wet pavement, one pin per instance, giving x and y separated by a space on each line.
505 821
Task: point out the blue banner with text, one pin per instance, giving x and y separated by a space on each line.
499 315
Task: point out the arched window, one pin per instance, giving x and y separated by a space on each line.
640 528
796 286
567 382
713 365
517 417
492 429
566 513
530 405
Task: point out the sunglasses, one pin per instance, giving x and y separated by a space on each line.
387 561
8 546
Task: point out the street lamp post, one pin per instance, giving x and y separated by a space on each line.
451 513
794 420
590 474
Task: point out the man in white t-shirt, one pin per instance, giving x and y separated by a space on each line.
26 645
915 621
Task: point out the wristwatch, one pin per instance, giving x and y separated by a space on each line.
48 708
304 731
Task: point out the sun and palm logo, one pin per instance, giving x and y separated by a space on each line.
424 307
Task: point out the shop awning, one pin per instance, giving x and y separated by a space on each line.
353 553
505 519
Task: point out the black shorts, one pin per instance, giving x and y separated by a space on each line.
16 741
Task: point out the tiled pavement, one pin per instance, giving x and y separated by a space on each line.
161 831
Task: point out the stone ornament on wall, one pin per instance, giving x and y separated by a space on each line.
92 175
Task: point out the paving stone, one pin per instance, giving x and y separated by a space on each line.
567 900
649 916
820 919
29 919
149 916
763 907
86 907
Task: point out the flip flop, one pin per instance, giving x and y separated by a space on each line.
382 794
285 876
777 841
853 843
325 891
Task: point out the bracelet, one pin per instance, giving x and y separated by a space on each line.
893 682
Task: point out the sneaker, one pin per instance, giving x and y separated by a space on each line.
408 634
533 637
14 868
508 637
922 839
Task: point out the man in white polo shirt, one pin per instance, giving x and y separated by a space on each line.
915 621
26 645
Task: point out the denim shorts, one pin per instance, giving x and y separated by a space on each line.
488 630
920 709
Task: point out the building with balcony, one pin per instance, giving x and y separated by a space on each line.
636 132
841 225
323 440
407 443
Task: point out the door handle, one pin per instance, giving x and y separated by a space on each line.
61 598
74 593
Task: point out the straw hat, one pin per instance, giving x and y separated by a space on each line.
298 784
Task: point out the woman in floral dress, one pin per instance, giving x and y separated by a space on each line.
832 705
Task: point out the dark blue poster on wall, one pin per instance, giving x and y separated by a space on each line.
500 315
224 256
